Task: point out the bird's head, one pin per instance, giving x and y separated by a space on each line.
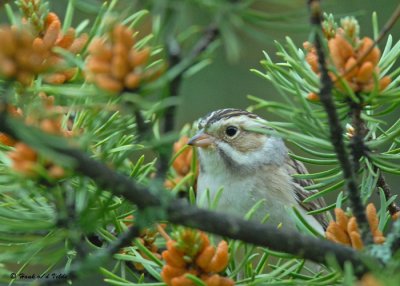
228 138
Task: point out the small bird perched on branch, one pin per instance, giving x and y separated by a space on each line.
251 165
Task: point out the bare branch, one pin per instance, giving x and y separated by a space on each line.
393 207
174 58
336 130
357 144
359 149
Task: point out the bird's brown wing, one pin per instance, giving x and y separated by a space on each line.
296 167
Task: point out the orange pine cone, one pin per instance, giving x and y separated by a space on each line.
369 280
8 68
6 140
226 282
312 60
213 280
373 56
352 225
69 73
56 172
182 163
330 236
374 223
354 233
341 219
52 34
51 126
78 44
195 256
108 83
312 96
24 159
24 153
372 217
126 65
98 66
55 78
217 280
340 50
25 78
132 80
33 55
220 259
205 241
339 234
51 18
173 259
66 41
169 272
182 281
364 74
205 257
334 50
38 45
356 240
354 67
345 230
138 58
384 82
346 50
171 246
350 68
100 51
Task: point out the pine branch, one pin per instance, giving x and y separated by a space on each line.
336 130
393 207
175 58
357 144
179 211
142 126
360 149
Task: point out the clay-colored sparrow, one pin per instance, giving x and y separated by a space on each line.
250 166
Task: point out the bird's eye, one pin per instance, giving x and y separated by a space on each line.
231 131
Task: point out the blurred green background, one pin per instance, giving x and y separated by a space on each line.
226 84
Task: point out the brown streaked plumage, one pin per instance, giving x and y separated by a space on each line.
296 167
227 113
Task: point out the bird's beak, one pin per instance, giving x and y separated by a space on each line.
201 139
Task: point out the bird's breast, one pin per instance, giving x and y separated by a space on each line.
241 194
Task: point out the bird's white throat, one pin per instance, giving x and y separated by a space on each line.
243 187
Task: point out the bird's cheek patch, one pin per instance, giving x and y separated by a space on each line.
249 143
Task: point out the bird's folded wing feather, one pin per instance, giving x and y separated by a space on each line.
296 167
